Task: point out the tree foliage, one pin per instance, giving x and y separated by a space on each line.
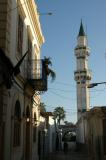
49 71
59 114
42 107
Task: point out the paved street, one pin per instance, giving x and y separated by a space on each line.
68 156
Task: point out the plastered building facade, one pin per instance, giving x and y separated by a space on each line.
20 41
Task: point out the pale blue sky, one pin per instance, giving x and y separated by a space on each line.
60 31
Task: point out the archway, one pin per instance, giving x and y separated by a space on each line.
69 136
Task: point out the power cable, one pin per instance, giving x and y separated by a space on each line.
49 105
62 83
99 90
62 90
67 84
61 96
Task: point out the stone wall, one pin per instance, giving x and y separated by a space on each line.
5 15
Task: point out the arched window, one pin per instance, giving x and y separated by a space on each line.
17 124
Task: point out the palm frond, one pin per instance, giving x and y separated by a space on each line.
48 61
52 74
49 71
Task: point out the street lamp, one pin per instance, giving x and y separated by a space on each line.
43 14
95 84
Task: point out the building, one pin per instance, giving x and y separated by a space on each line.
22 78
82 74
51 135
95 132
46 135
91 124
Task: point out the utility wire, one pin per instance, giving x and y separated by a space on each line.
61 96
99 90
96 90
72 110
62 83
68 98
67 84
62 90
49 105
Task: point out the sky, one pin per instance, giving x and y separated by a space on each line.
60 31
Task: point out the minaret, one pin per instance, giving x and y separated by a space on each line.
82 74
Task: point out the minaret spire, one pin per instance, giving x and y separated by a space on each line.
82 74
81 30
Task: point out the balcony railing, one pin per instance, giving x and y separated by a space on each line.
35 74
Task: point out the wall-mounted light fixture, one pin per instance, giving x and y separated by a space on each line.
45 14
95 84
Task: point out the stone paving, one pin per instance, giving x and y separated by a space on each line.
68 156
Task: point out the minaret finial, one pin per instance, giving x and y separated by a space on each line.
81 30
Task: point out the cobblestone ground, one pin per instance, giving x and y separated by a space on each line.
68 156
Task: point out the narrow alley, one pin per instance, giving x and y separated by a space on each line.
68 156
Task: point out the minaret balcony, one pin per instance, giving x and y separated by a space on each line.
35 74
81 75
82 51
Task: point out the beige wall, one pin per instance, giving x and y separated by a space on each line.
90 132
9 10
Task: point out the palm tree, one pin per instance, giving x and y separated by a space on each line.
49 71
59 113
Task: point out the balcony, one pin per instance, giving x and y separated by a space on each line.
82 74
35 73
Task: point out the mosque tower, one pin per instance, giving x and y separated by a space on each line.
82 75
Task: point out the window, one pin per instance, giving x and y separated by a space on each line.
20 36
29 63
17 124
29 49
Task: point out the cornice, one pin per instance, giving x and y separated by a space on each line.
21 9
35 20
31 8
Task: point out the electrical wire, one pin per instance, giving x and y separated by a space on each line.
72 110
61 96
67 84
62 83
71 99
62 90
98 90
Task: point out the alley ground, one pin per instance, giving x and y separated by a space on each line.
68 156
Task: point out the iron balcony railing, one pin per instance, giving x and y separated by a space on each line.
35 74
